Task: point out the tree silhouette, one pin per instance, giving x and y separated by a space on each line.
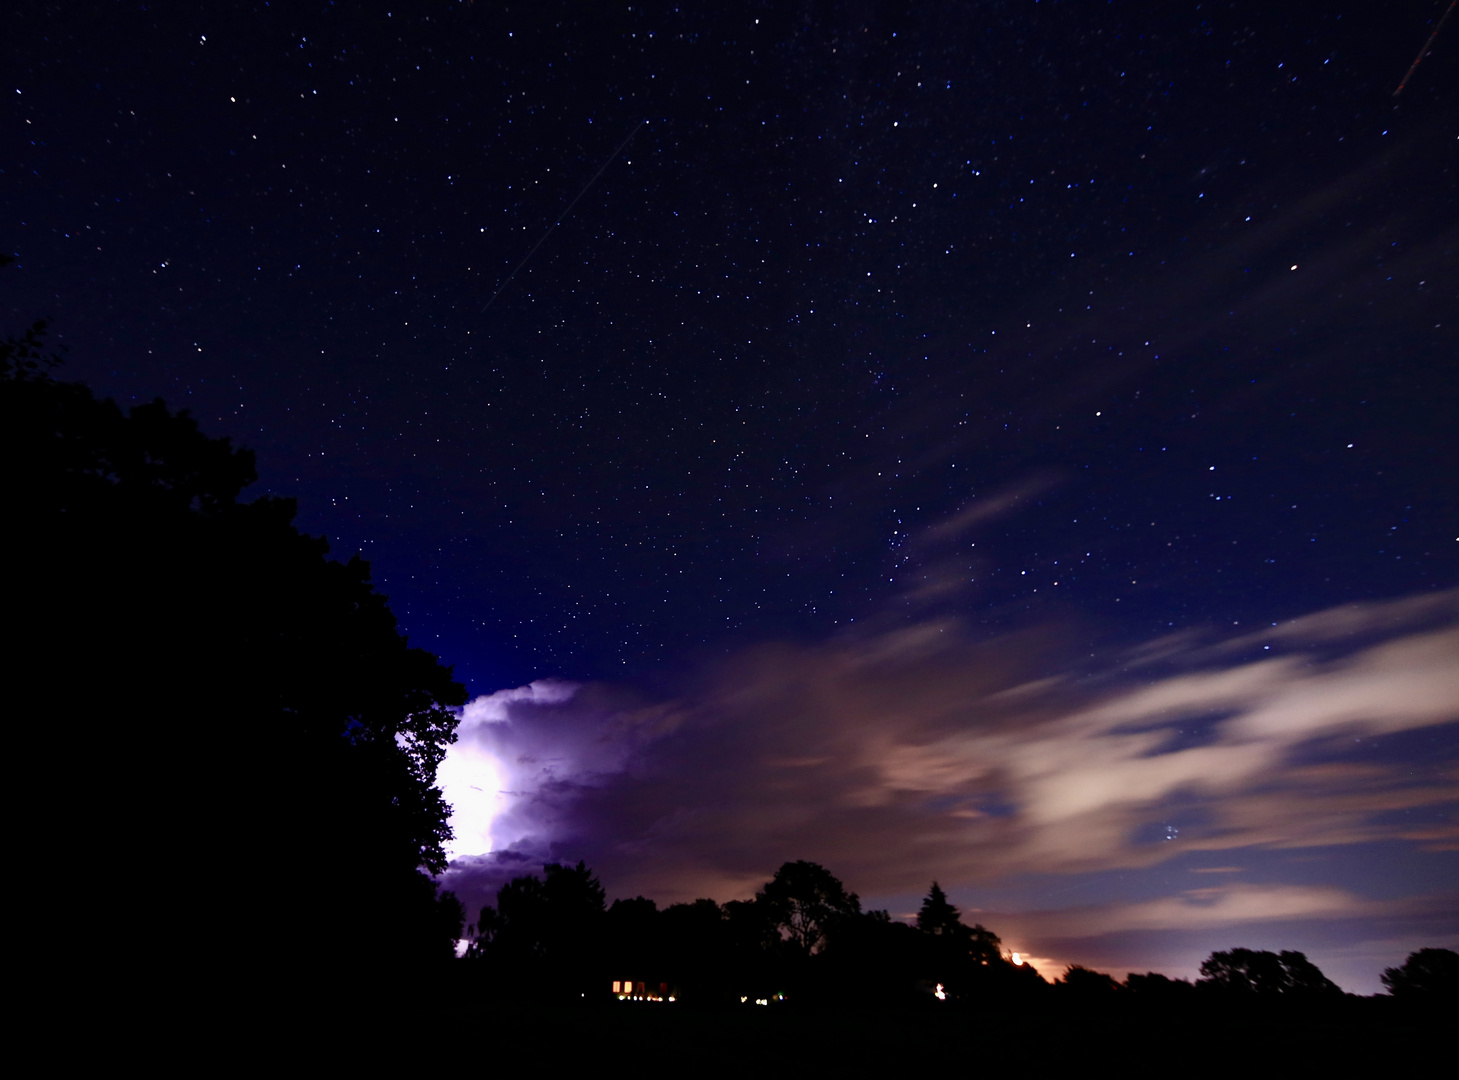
696 949
1303 977
1249 972
634 940
804 901
228 714
937 916
1154 986
1427 975
553 938
1091 985
546 935
967 960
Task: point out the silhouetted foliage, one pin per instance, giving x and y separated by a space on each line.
805 901
634 944
1154 986
870 958
938 916
1427 975
695 950
1242 972
967 961
26 356
1092 985
447 926
545 936
633 927
939 919
804 942
227 713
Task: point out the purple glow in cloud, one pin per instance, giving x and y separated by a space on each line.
901 756
492 768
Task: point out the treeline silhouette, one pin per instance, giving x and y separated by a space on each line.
208 716
805 939
802 936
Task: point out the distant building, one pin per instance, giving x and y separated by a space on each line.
631 990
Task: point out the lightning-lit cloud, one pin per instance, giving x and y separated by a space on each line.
920 753
498 763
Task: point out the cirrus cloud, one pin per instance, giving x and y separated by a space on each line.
901 756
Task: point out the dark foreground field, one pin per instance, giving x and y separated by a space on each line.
370 1034
1354 1037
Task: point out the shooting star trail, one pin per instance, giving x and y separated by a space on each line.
1427 45
611 157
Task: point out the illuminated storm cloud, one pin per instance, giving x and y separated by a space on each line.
919 753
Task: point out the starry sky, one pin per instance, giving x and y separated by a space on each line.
1005 442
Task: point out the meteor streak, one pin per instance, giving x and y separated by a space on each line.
555 224
1424 51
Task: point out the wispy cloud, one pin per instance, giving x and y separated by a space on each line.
1351 937
1203 909
902 756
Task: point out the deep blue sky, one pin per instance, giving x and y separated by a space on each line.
790 323
952 404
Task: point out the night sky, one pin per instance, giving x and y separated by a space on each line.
1012 443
